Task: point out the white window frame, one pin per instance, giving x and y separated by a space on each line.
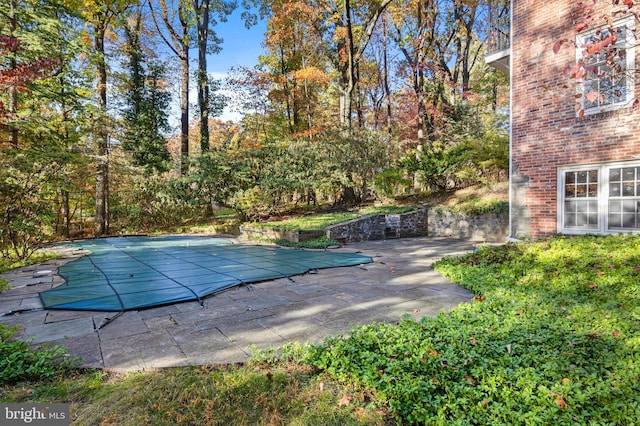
628 43
603 198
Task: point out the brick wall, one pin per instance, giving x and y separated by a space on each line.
546 133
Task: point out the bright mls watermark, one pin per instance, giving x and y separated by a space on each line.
35 414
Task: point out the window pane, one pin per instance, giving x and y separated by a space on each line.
629 206
582 176
571 206
570 177
581 191
569 191
628 220
614 220
593 176
628 173
628 189
615 206
593 190
582 219
569 219
614 189
614 175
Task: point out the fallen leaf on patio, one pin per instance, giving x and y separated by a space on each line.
473 341
416 310
345 400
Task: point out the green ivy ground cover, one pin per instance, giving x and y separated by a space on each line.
552 338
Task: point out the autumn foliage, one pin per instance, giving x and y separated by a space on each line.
19 75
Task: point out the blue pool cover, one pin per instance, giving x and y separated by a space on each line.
126 273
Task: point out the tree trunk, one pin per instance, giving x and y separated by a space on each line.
184 108
66 220
385 75
202 19
102 170
350 73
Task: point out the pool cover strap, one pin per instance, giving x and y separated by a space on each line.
128 273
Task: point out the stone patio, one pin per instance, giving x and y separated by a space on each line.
306 308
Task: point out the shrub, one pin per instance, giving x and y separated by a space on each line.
18 362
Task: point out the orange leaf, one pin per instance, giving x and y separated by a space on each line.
592 96
557 45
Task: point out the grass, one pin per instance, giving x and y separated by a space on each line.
286 394
551 338
37 257
475 206
322 220
308 222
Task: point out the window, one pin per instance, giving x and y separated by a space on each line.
599 199
624 198
607 83
581 199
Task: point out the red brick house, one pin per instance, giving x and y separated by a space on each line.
575 138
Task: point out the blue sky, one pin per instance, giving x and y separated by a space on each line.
241 47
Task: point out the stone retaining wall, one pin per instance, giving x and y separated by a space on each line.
380 227
489 227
